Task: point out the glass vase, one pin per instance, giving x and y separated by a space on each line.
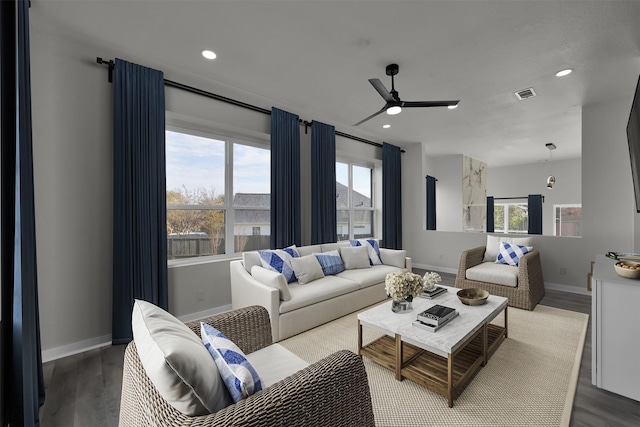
401 306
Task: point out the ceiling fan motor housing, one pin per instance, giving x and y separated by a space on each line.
392 69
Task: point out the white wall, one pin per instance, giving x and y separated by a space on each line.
522 180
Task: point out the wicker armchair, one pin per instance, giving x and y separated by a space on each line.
526 295
333 391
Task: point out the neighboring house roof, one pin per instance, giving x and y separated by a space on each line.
263 200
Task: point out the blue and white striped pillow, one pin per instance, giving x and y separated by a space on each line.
372 249
279 260
331 262
510 254
238 375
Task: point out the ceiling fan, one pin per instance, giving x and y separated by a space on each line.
394 104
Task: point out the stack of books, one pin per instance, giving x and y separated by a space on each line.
435 317
433 292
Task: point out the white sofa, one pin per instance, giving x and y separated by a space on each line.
294 307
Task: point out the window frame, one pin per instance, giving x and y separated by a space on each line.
565 205
227 207
506 229
352 209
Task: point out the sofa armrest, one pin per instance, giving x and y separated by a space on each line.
470 258
247 291
248 327
530 271
333 391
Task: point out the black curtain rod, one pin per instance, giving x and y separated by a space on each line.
235 102
514 198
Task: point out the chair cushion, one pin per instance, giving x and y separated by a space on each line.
176 362
331 262
249 259
279 260
355 257
373 250
272 279
308 250
326 247
395 257
491 272
275 363
319 290
307 269
493 245
511 254
238 374
369 276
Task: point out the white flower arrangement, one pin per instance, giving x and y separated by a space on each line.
401 285
430 279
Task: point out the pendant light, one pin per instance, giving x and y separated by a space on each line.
551 180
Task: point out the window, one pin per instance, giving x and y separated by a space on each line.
217 195
567 220
511 218
354 203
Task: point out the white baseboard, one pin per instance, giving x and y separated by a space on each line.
105 340
547 285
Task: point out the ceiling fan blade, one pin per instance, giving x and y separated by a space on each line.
371 116
384 93
416 104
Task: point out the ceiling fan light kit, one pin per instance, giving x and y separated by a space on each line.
393 103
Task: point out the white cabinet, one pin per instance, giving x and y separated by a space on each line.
615 311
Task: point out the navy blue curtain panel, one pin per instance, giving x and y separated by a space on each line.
285 180
490 215
22 380
535 213
431 203
323 183
139 193
391 197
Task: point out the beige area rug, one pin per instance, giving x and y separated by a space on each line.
529 381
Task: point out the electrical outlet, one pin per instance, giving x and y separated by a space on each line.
200 295
562 271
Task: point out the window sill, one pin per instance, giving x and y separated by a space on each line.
201 260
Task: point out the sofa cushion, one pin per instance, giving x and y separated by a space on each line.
373 250
331 262
326 247
394 257
249 259
369 276
238 374
355 257
275 363
511 254
307 269
320 290
279 260
493 245
272 279
308 250
491 272
176 362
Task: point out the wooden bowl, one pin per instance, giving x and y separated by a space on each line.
473 296
628 269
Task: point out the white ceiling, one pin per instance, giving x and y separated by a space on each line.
313 58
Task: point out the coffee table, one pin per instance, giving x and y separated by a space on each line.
444 361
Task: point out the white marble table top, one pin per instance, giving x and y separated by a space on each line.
447 339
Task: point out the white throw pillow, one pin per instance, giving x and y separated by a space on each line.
176 362
238 374
493 245
395 257
373 249
307 269
272 279
249 259
355 257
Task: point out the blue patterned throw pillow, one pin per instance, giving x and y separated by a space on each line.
510 254
238 374
331 262
372 249
279 260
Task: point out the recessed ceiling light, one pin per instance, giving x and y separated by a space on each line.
209 54
452 107
386 126
563 73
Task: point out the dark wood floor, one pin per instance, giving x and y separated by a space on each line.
84 390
